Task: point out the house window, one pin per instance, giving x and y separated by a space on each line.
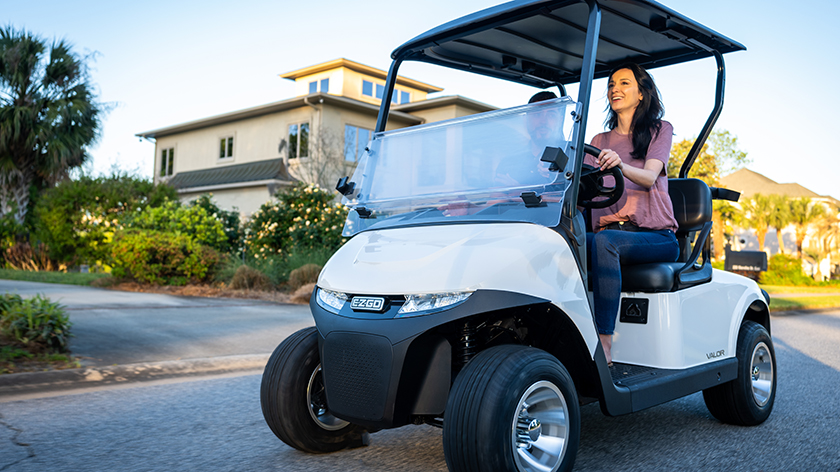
226 147
355 140
167 162
398 96
325 86
298 140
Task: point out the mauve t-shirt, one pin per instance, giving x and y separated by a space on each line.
649 208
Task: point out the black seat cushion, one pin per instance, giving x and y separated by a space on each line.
653 277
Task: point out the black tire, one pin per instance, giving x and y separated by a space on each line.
484 404
293 400
747 400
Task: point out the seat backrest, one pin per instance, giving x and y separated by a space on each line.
692 202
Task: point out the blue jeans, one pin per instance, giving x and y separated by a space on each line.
607 250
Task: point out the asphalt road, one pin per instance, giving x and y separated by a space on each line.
216 424
112 327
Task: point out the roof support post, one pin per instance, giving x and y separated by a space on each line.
587 72
385 106
713 117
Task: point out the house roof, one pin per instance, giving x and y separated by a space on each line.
259 171
313 99
480 107
361 68
749 183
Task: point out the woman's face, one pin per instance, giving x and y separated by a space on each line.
623 91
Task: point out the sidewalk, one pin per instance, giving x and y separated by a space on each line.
128 336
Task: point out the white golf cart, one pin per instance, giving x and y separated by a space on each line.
461 298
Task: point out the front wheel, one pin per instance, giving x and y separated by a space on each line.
747 400
512 408
294 403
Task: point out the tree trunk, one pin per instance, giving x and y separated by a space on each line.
781 241
761 235
14 194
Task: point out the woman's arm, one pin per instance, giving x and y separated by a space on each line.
645 176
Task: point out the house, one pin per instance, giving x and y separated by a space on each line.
244 157
750 183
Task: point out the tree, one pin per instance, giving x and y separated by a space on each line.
325 163
48 117
757 211
803 212
825 242
779 217
719 155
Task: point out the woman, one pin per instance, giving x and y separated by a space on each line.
640 227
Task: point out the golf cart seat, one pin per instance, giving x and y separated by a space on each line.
692 201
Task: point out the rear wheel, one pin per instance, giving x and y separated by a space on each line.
294 402
512 408
747 400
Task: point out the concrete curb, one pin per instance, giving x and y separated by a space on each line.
85 377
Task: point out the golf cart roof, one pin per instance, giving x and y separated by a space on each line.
541 42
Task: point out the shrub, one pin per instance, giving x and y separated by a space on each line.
36 323
301 276
229 219
247 278
23 256
302 218
77 218
158 257
783 269
303 294
191 221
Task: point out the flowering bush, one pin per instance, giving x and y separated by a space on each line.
161 258
77 219
302 218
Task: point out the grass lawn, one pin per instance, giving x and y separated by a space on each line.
67 278
804 303
771 289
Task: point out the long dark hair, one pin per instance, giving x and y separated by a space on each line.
647 120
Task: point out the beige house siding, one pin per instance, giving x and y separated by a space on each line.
262 134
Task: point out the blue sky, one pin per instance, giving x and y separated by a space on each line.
162 63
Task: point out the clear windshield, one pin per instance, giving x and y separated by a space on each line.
474 168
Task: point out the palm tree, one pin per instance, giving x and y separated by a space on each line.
803 212
48 117
779 217
825 242
757 212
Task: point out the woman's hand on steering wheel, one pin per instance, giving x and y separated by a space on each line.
592 181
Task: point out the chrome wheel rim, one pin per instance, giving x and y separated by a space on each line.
540 428
316 399
761 374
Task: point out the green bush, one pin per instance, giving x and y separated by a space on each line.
77 219
191 221
230 222
302 218
783 269
159 257
36 323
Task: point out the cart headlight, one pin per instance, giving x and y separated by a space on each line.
416 305
331 301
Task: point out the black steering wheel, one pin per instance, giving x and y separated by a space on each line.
592 183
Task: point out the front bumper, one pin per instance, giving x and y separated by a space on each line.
380 371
